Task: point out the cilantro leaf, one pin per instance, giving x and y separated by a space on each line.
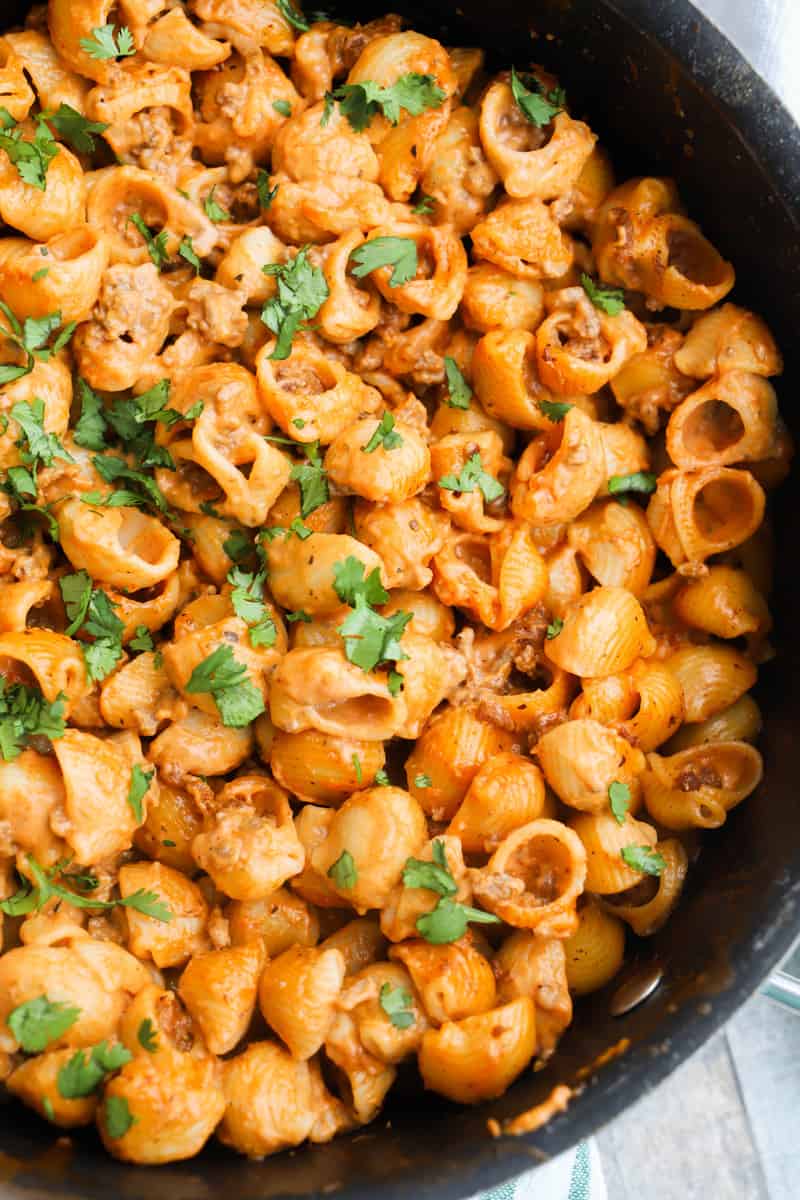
76 592
91 611
382 779
119 499
113 468
458 390
92 427
350 583
397 1003
643 858
42 447
85 1071
146 903
139 787
640 481
247 598
31 337
312 480
554 410
473 476
156 245
265 194
299 529
385 436
448 921
75 129
537 108
117 1116
423 781
237 545
42 273
43 888
38 1022
395 683
142 640
554 628
290 14
187 251
302 290
31 158
370 639
359 102
344 872
357 768
221 675
300 615
424 207
283 107
214 211
397 252
104 45
24 713
609 300
146 1035
436 876
619 796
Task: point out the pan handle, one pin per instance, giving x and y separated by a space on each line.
783 985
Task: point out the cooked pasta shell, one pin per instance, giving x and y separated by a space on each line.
534 878
604 632
595 951
697 787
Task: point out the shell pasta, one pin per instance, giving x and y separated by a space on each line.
384 567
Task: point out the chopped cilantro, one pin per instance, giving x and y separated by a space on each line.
156 245
290 14
554 410
265 194
351 585
448 921
117 1116
214 211
397 1003
644 859
146 1033
609 300
397 252
344 872
75 129
139 787
424 207
24 713
87 1069
458 390
31 158
359 102
221 675
473 476
302 290
538 108
38 1022
104 44
385 436
640 481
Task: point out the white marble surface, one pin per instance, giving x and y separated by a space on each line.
768 34
724 1126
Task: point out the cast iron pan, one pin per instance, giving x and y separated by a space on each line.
667 93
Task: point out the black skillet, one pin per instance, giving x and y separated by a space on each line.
667 93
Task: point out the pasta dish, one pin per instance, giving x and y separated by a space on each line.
384 569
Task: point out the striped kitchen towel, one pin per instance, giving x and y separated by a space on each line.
575 1175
